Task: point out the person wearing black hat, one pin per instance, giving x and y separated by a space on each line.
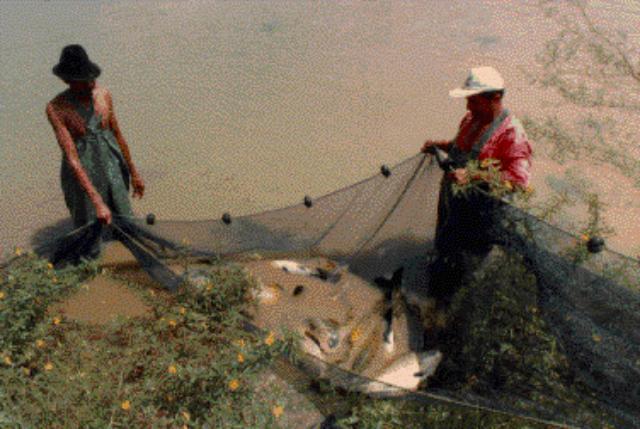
96 167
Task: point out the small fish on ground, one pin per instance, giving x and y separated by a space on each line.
292 267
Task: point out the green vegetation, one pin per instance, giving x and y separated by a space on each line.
189 365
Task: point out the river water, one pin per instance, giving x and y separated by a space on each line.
243 106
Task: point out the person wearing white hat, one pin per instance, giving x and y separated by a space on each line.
487 131
464 232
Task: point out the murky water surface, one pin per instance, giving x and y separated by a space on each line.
245 106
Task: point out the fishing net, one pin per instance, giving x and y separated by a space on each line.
584 307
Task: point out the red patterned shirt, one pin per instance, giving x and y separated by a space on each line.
508 144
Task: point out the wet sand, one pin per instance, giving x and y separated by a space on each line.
247 106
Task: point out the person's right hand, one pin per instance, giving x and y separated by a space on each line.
428 146
103 213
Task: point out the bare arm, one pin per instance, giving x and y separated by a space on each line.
71 155
136 180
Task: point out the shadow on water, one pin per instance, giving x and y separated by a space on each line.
43 239
390 255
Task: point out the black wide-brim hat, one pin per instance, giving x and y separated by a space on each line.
75 65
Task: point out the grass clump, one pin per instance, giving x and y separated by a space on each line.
27 287
189 365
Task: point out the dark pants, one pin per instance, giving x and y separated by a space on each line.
467 228
466 231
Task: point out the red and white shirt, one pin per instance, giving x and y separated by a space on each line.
508 144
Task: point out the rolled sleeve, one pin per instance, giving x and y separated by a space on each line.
516 156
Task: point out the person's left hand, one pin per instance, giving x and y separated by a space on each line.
460 176
138 186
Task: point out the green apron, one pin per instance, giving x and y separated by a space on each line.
102 159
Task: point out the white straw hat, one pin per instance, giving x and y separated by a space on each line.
481 79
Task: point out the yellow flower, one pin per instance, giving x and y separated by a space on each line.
277 411
48 366
18 251
355 335
26 371
529 189
56 320
488 162
172 369
596 338
234 384
270 339
172 323
240 358
508 185
40 344
126 405
584 237
183 310
7 360
186 415
54 280
2 295
240 343
209 286
50 265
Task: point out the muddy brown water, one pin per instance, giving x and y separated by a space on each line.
105 297
246 106
102 300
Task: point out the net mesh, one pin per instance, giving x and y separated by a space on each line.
590 305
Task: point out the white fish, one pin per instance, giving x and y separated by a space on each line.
293 267
407 372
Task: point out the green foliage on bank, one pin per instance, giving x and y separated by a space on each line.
189 365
